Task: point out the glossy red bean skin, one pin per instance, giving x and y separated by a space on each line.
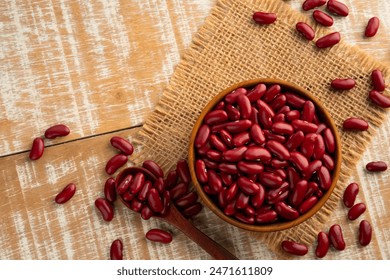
37 149
245 106
250 167
159 185
214 155
319 147
314 166
234 155
350 194
330 143
278 102
299 161
201 171
372 27
215 117
66 194
311 4
115 163
143 193
325 178
295 100
355 124
282 128
264 107
275 195
110 190
298 193
365 233
257 199
322 245
105 208
304 126
376 166
343 84
278 149
231 191
258 154
356 210
159 235
379 99
171 179
183 171
307 204
286 211
322 18
192 210
336 237
242 200
122 145
202 136
124 185
264 18
232 97
257 92
257 134
306 30
378 82
146 212
55 131
269 216
295 140
270 180
228 168
187 200
247 186
238 126
337 8
116 250
214 181
178 190
232 112
328 41
154 200
307 147
294 248
308 111
242 138
154 168
226 137
137 183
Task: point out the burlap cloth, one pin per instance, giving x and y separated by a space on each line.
230 48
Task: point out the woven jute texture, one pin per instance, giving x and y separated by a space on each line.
231 48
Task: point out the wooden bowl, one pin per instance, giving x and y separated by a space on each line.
325 117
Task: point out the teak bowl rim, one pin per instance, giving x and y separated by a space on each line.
278 225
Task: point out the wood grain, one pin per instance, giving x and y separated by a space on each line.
99 67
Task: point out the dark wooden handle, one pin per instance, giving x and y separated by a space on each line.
175 218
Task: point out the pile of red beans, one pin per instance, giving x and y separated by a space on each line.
264 154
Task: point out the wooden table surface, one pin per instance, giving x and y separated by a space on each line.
100 67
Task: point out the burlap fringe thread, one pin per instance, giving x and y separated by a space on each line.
214 62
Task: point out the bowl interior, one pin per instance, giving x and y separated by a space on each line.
325 117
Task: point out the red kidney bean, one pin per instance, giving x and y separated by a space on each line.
245 106
226 137
257 92
336 237
312 188
274 137
343 84
306 30
187 200
127 196
265 119
376 166
242 138
280 196
325 180
192 210
124 185
178 190
115 163
322 245
328 41
201 171
249 211
295 140
110 190
66 194
293 115
202 136
284 109
319 147
257 199
304 126
264 18
278 102
314 166
322 18
228 168
105 208
143 193
37 149
171 179
231 191
311 4
337 8
295 100
247 186
183 171
307 147
275 163
245 219
116 250
214 181
232 97
308 111
372 27
153 167
242 200
365 233
210 164
257 134
166 199
122 145
307 204
250 167
319 193
214 155
378 82
282 128
286 211
204 149
254 118
270 180
271 93
159 235
281 173
299 161
146 212
355 124
220 105
215 117
379 99
232 112
154 200
55 131
273 195
330 143
279 118
137 183
321 128
298 193
356 211
258 154
238 126
159 185
294 248
227 179
263 106
269 216
292 176
234 155
350 194
136 205
278 150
